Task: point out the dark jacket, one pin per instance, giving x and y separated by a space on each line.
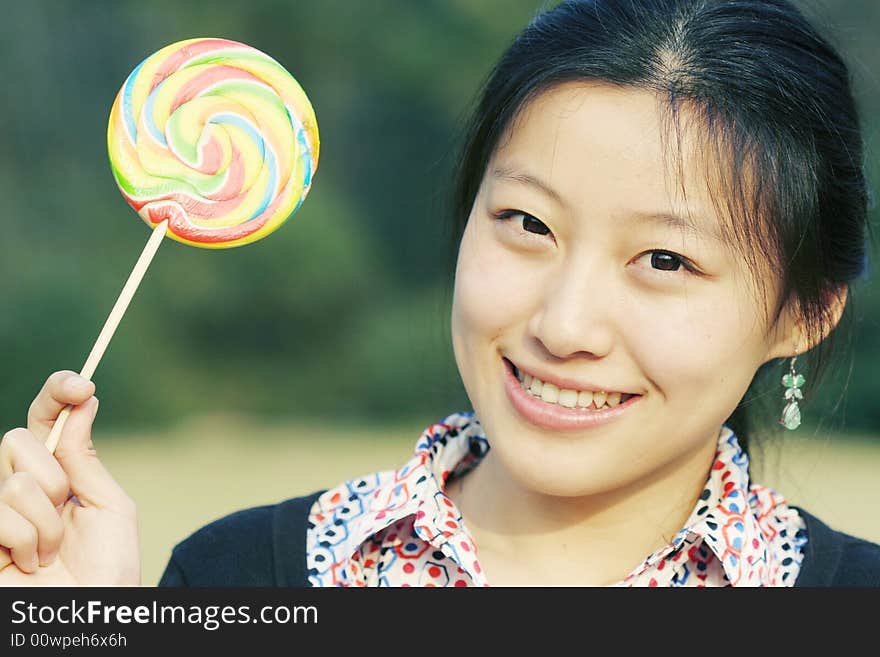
266 546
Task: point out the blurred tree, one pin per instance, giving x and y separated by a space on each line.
342 312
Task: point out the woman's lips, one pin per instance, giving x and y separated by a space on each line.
554 416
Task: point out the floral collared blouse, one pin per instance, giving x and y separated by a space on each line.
398 527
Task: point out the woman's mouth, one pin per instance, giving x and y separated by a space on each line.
546 405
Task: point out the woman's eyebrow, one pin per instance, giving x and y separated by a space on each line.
505 173
701 229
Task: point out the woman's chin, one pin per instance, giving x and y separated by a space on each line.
556 470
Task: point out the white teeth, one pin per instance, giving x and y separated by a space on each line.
535 387
549 393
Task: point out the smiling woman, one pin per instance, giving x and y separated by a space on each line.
658 202
659 222
555 280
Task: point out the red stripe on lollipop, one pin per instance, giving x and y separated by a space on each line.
204 80
179 58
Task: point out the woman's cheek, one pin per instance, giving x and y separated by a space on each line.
679 352
494 289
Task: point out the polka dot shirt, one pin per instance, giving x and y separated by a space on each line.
398 527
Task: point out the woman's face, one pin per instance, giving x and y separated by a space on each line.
569 271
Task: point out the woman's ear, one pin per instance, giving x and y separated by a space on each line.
790 337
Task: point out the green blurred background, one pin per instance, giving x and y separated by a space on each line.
244 376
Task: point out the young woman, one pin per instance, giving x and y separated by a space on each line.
660 208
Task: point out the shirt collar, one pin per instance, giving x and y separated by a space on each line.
725 519
722 519
452 446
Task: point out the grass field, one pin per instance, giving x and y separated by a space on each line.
200 471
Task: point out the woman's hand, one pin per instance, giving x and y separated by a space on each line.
64 521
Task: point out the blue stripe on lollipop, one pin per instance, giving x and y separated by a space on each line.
127 113
148 114
305 156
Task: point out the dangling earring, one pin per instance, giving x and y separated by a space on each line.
791 414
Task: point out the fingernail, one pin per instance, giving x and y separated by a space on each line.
95 409
35 562
49 557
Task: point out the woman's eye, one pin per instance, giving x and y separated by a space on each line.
667 261
532 225
527 222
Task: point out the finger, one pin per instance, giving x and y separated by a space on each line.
20 537
61 388
5 557
23 495
21 451
89 479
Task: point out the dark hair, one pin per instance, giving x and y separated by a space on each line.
778 122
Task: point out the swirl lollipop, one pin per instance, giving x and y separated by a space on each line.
217 138
213 143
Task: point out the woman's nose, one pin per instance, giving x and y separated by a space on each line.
574 313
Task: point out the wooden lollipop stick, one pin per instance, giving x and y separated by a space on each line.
131 286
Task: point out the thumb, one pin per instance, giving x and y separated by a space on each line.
89 479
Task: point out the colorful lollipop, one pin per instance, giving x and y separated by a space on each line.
213 143
217 138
